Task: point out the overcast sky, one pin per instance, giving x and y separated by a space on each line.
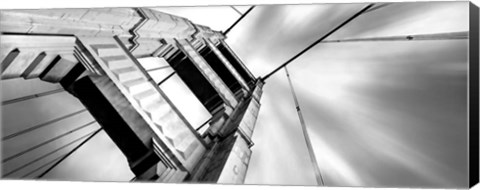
379 113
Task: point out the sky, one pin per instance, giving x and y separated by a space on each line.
379 113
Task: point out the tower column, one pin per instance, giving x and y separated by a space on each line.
236 62
120 121
208 73
227 162
226 63
144 107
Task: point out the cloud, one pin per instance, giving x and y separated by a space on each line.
380 113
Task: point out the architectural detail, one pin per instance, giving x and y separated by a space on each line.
227 64
208 72
93 54
29 56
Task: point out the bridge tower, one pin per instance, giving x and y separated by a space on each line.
93 55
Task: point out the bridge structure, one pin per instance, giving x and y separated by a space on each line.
93 54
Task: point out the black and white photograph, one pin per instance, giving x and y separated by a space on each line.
361 94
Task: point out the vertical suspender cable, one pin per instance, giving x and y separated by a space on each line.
313 159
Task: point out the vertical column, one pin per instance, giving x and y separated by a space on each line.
126 128
208 73
228 161
236 164
473 92
236 62
222 71
246 123
227 63
203 89
161 121
196 82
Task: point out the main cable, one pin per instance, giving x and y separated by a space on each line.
238 20
318 41
70 153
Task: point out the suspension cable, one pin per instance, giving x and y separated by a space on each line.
377 7
239 19
42 125
71 152
42 166
313 159
46 142
47 154
6 102
318 41
417 37
236 10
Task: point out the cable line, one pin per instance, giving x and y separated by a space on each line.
6 102
236 10
46 142
71 152
46 155
166 78
418 37
318 41
318 174
42 125
239 19
313 159
42 166
378 7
